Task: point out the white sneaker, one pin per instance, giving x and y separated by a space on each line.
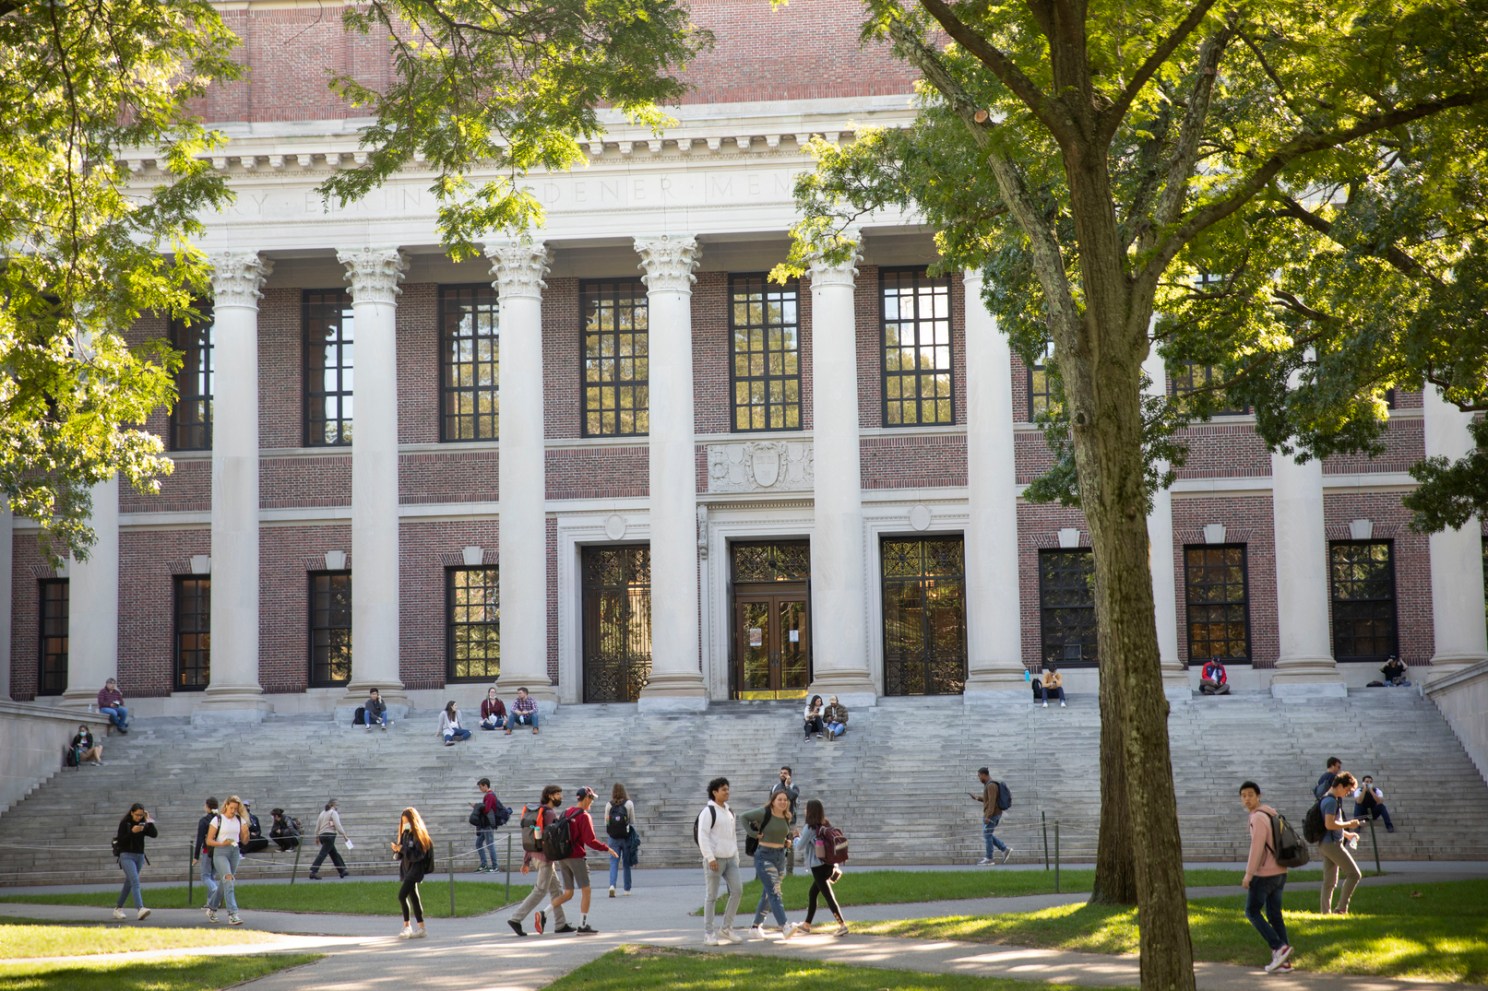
986 862
1275 962
118 913
1046 705
1061 705
709 939
420 933
405 932
726 936
758 932
1006 854
612 891
144 914
233 920
212 915
788 931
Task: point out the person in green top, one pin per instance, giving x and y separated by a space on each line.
770 826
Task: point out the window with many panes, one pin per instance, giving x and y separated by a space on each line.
191 417
469 357
1189 378
1067 607
617 396
472 624
51 676
764 325
1040 392
193 633
1362 577
330 628
916 348
329 352
1215 590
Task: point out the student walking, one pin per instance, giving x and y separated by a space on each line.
1264 880
787 786
327 828
718 841
546 883
991 817
227 830
809 851
769 826
415 853
573 871
1339 870
485 833
619 818
200 852
130 841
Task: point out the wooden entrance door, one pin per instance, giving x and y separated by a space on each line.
772 645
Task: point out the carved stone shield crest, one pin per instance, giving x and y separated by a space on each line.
764 462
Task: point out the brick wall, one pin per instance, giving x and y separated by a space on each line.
913 461
1038 528
303 482
1405 444
281 386
425 550
449 476
27 569
1247 520
598 472
1224 450
188 489
286 557
561 340
149 560
419 384
1412 562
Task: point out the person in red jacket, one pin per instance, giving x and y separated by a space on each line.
493 711
111 704
1213 680
574 872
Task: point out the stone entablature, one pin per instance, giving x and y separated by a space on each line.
761 466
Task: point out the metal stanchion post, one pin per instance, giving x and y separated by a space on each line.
190 875
295 870
508 868
1374 839
1056 856
452 877
1044 822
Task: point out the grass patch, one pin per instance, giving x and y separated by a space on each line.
183 974
900 887
635 967
1435 932
328 897
19 940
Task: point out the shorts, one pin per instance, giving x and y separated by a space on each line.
573 873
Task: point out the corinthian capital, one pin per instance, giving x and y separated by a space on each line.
374 273
668 262
843 273
518 267
238 277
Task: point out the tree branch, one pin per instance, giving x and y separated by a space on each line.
1186 149
1398 258
1111 117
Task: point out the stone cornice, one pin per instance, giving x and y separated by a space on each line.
518 267
238 278
374 273
668 262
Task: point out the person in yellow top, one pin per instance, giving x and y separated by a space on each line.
1052 681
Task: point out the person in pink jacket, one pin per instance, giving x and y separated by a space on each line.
1264 880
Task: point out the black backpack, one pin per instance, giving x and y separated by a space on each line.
698 821
1004 797
502 815
751 842
1287 847
617 823
557 837
1314 827
429 860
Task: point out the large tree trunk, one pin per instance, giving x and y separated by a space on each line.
1115 870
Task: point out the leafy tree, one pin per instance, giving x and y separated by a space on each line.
85 254
1295 187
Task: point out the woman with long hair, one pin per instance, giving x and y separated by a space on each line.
327 828
814 722
414 851
822 873
85 748
770 828
229 827
449 724
130 841
619 817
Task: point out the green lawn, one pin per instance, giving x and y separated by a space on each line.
898 887
183 974
334 897
634 967
20 939
1433 932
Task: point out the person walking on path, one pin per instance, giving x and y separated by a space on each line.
1339 872
327 828
787 785
822 873
130 842
991 816
228 829
573 871
449 724
485 833
200 852
415 853
718 841
619 818
1264 879
769 826
546 883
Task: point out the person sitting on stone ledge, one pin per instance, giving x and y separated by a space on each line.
1212 679
835 716
523 712
1369 802
493 711
111 704
1051 681
1394 672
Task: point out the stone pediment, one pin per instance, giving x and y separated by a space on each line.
761 466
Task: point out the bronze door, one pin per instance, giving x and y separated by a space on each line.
772 645
617 622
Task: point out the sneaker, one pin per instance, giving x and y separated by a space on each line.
212 915
728 936
709 939
804 929
1046 705
118 913
419 933
233 920
841 929
587 930
144 914
405 932
1283 953
516 927
612 891
312 877
1285 968
539 922
449 743
788 931
566 928
758 932
1061 704
1006 853
986 862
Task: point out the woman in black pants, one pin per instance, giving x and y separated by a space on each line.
327 828
822 873
413 849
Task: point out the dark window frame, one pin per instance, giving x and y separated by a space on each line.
917 671
481 301
768 380
315 304
918 376
53 681
1343 611
1039 393
191 416
314 663
1048 613
180 620
452 624
609 291
1195 655
634 667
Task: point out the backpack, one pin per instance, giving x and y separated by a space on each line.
557 837
1314 827
617 823
698 821
751 842
428 864
114 847
833 844
359 718
502 815
70 756
1004 797
532 829
1286 846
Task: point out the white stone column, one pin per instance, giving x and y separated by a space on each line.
1305 666
234 692
839 644
517 270
7 611
676 674
994 634
93 606
1456 555
374 274
1164 578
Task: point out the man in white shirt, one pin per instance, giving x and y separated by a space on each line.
718 841
1370 801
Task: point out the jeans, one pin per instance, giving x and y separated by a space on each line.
1374 811
485 839
131 862
988 840
118 715
769 867
371 720
728 872
522 719
493 722
225 860
834 730
1339 871
1264 895
544 886
328 849
617 863
815 725
208 875
460 733
1058 692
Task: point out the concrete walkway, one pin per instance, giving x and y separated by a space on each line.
481 954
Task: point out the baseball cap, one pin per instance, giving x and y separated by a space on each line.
582 794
